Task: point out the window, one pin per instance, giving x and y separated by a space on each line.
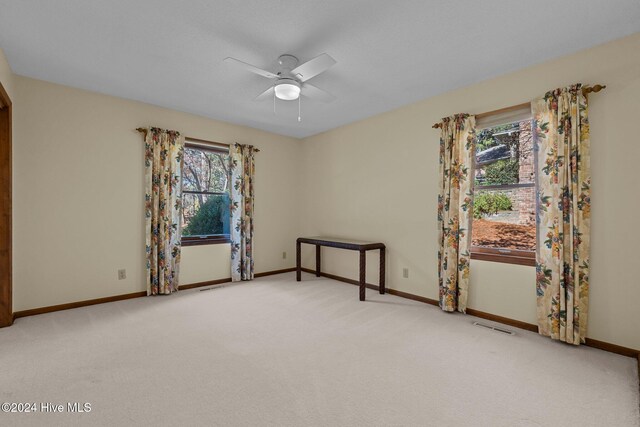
205 193
504 211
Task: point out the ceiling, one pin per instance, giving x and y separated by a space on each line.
389 53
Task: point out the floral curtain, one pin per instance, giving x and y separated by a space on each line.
561 135
242 169
163 204
455 201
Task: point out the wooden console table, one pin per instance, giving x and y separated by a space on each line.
353 245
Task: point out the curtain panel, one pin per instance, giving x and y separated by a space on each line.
164 150
457 144
561 137
242 167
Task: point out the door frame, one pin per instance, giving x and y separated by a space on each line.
6 303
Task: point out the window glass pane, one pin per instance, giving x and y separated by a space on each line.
504 218
205 171
504 155
205 215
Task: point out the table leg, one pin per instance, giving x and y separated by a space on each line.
363 273
298 262
318 260
382 270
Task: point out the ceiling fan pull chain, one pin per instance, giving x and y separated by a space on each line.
274 99
299 102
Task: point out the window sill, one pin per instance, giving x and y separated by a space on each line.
515 257
198 241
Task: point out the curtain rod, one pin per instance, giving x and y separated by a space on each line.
203 141
585 91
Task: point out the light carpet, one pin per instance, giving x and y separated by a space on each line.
277 352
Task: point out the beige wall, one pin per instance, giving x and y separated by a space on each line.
6 76
377 179
78 192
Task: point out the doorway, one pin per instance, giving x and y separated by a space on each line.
6 308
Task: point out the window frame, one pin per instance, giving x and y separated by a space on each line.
213 147
495 254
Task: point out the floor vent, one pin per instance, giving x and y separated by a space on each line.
495 328
210 289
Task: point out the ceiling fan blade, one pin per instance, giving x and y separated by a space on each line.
315 92
265 95
252 68
313 67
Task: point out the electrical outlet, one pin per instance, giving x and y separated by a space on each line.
405 273
122 274
284 255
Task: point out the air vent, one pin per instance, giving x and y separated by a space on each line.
494 328
212 288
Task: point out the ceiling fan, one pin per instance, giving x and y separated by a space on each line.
290 80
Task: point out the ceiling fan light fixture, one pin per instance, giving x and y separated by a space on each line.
287 89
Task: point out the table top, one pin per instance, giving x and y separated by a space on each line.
341 242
